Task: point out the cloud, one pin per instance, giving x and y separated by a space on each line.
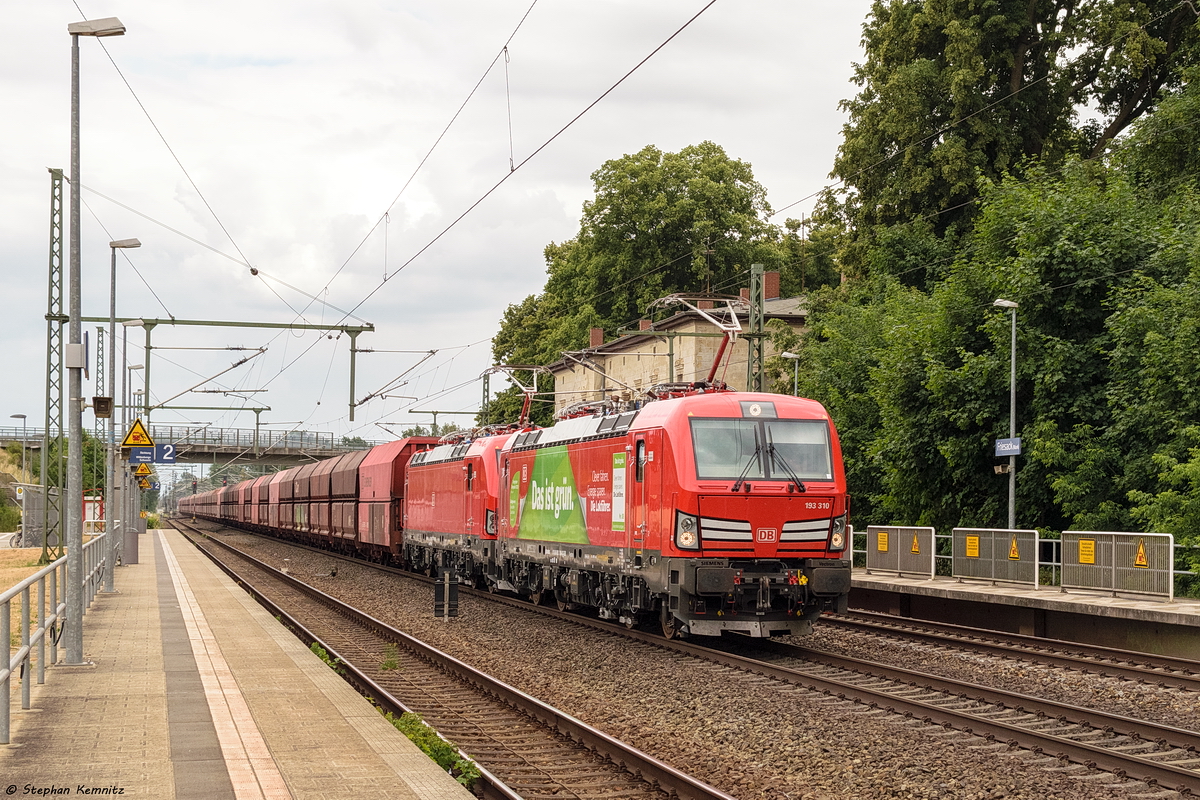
300 129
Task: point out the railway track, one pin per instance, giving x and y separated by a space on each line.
1088 742
1165 671
526 748
1158 755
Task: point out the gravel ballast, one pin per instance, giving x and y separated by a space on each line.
739 732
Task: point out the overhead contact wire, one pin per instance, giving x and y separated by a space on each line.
525 161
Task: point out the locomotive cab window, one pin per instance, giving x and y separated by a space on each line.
761 449
640 461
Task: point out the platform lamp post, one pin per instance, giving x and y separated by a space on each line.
75 357
126 418
1012 413
129 526
795 359
23 477
110 548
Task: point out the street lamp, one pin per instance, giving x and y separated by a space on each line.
110 26
1012 414
23 477
110 549
795 359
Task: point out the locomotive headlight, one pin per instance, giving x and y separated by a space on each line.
687 531
837 533
489 523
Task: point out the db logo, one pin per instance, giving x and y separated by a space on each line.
767 535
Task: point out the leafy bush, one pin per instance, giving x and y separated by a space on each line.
431 744
323 654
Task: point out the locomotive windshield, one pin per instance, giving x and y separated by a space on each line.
729 449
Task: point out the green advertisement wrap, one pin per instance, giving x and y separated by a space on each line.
551 509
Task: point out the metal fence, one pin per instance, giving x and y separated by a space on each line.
996 554
1136 563
1116 562
207 436
33 503
41 624
901 549
250 438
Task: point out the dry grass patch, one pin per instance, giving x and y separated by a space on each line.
16 566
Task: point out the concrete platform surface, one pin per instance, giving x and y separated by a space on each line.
195 691
1184 612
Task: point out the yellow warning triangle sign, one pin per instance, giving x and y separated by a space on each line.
916 546
144 484
138 436
1014 554
142 469
1140 559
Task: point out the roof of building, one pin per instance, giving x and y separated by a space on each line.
785 308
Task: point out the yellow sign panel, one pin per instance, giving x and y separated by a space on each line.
138 436
972 547
882 542
1013 553
142 469
916 546
145 514
1087 551
1140 559
143 483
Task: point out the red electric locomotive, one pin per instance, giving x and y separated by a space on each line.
450 514
717 512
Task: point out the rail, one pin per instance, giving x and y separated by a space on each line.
49 584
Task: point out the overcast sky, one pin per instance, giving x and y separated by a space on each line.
301 122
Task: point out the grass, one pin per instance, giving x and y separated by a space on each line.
426 738
391 656
16 566
441 751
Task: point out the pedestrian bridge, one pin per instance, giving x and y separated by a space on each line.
201 444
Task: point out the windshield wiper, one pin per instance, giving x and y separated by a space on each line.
777 457
757 451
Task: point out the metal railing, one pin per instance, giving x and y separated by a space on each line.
1116 562
220 437
1138 563
904 549
995 554
45 626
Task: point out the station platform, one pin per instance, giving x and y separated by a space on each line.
1129 622
194 691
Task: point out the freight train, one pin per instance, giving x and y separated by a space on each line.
708 512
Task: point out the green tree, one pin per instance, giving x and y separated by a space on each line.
95 471
432 430
957 93
659 223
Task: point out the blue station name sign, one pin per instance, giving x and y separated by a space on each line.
159 454
1008 447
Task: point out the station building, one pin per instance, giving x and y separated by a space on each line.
680 348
